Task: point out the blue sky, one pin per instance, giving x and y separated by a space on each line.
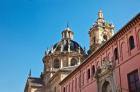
29 27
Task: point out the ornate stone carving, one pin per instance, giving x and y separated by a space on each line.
105 74
106 67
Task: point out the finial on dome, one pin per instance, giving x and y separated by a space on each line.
67 24
100 14
67 27
30 73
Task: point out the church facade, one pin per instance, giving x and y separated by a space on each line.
111 65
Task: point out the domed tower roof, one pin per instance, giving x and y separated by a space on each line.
67 44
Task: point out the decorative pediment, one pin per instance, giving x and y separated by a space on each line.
105 68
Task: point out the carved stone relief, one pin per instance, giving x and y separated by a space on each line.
105 77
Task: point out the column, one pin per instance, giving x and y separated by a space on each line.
79 61
69 61
61 63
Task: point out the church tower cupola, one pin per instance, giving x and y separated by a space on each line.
100 32
100 14
100 19
67 33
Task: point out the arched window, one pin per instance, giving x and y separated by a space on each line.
73 62
56 63
106 87
105 37
93 69
88 74
131 42
138 37
69 34
94 39
116 53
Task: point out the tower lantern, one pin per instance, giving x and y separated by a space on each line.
67 33
100 14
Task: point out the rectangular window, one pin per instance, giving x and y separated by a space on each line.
88 74
133 81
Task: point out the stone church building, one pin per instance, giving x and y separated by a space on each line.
59 61
110 65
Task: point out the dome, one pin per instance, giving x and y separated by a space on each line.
67 46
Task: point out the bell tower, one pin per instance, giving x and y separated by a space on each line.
100 32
